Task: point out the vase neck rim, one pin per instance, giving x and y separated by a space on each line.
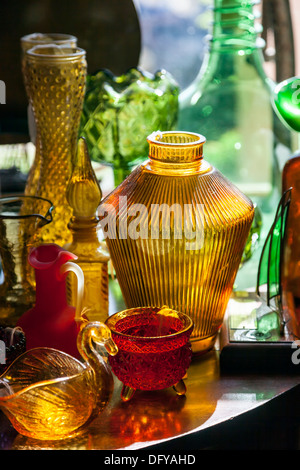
175 146
36 39
55 52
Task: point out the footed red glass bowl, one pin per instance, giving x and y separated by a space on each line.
154 350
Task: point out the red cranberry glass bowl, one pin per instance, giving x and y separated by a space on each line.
154 350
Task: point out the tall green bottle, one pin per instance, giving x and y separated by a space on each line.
230 103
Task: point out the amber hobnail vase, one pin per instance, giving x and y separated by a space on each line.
176 229
55 83
28 42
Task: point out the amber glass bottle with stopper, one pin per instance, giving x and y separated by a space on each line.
84 196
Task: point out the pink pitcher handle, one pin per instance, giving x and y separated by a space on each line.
70 266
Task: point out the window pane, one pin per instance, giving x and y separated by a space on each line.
174 36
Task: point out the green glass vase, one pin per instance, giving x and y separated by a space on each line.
119 112
230 102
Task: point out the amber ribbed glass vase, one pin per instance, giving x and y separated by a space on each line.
176 229
55 83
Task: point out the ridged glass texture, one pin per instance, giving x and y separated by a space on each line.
190 233
55 83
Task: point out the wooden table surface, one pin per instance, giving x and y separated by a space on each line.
163 420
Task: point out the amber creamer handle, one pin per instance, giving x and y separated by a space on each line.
70 266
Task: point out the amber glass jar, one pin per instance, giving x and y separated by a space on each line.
176 229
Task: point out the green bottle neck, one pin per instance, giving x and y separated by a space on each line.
234 26
235 47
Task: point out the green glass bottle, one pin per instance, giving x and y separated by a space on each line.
230 103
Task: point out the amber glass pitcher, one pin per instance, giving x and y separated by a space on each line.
176 229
